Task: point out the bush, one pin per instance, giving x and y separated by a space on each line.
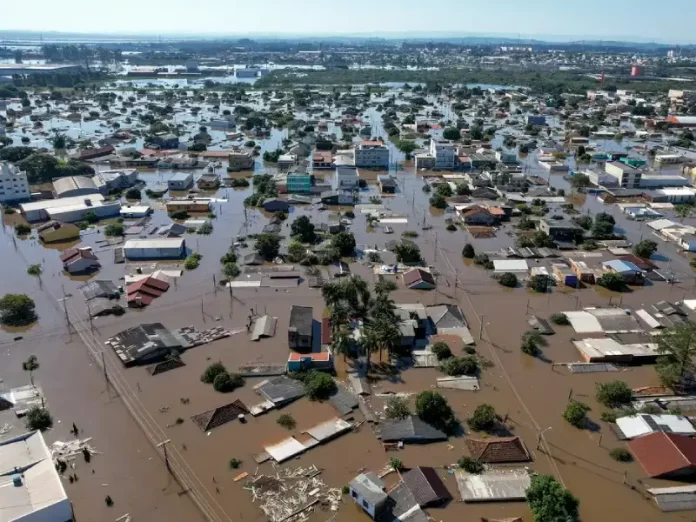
612 281
609 416
484 418
34 270
179 214
539 283
91 217
287 421
531 343
396 464
613 394
438 201
235 463
456 366
481 259
576 413
470 465
192 261
397 408
468 251
22 229
133 193
205 229
226 382
319 386
345 490
560 319
621 455
114 229
441 350
38 418
230 270
434 409
509 280
213 371
17 310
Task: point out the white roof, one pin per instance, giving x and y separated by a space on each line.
659 224
285 449
138 209
39 486
677 191
637 425
170 242
606 347
96 200
510 265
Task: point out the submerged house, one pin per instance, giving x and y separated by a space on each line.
79 260
300 328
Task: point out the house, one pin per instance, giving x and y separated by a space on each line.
54 231
135 211
14 185
310 361
582 271
166 141
426 486
625 175
478 216
419 279
564 275
322 159
642 263
162 248
188 205
79 260
338 197
172 230
239 160
347 177
501 450
443 152
634 426
32 490
89 154
209 182
410 430
630 272
387 184
301 328
275 205
372 154
147 343
665 455
180 181
367 491
535 119
560 229
286 160
118 179
143 292
72 186
299 183
485 193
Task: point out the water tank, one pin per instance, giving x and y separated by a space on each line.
17 480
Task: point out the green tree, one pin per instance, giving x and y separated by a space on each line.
470 465
22 229
576 413
114 229
287 421
319 386
456 366
212 371
645 248
406 146
677 349
38 419
508 279
397 408
296 251
532 341
345 243
303 229
542 239
34 270
539 283
549 501
385 286
434 409
267 245
441 350
683 211
468 251
133 193
91 217
226 382
484 418
585 222
438 201
230 270
407 252
613 394
443 189
31 365
603 216
59 141
621 455
612 281
451 133
560 319
17 310
580 181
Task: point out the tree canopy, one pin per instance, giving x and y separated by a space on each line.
549 501
303 229
345 243
645 248
677 349
267 245
434 409
17 310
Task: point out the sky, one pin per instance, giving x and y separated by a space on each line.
634 20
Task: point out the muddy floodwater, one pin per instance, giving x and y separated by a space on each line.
128 412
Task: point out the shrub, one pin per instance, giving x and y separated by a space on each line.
91 217
396 464
481 259
614 393
531 343
212 371
205 229
621 455
319 386
38 418
459 366
509 280
34 270
287 421
235 463
17 310
468 251
539 283
559 318
612 281
226 382
113 229
22 229
179 214
434 409
397 408
576 413
441 350
192 261
470 465
484 418
133 193
608 416
345 490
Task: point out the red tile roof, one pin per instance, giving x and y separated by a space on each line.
416 275
73 254
146 290
664 453
504 449
321 356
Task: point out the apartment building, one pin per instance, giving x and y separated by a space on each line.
443 152
371 154
347 178
14 185
626 176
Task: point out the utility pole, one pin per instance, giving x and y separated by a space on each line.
163 445
481 327
89 314
106 375
67 316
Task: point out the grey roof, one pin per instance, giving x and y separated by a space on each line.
410 429
402 503
252 259
70 183
678 498
426 485
344 401
446 316
172 230
370 487
280 390
145 341
493 485
264 326
98 289
301 318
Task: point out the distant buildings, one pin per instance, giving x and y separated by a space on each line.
322 159
239 160
535 119
14 185
371 154
180 181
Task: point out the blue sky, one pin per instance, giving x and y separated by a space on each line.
639 20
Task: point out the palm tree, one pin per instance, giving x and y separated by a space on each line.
31 365
340 341
387 334
683 211
332 294
369 343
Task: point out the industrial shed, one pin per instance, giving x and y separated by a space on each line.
165 248
72 186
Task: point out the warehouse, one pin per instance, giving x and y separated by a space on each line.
166 248
70 210
72 186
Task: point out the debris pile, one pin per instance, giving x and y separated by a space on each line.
292 493
67 451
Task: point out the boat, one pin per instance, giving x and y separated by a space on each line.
388 230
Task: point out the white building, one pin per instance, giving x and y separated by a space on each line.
165 248
443 152
371 154
638 425
14 185
347 177
663 180
367 491
626 176
70 210
30 488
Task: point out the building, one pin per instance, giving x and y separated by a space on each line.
79 260
444 153
419 279
143 292
630 272
660 181
322 159
209 182
347 177
30 488
180 181
54 231
135 211
426 486
372 154
166 141
535 119
300 329
275 205
367 491
163 248
625 175
564 275
503 450
665 455
478 216
147 343
560 229
188 205
299 183
634 426
310 361
410 430
224 123
240 160
73 186
70 210
90 154
118 179
387 184
338 197
681 121
14 185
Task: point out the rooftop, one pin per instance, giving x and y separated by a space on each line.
410 429
426 485
664 453
494 451
370 487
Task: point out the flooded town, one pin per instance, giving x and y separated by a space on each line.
310 280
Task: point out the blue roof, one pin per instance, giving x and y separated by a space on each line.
621 266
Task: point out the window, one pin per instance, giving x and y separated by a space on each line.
353 494
365 504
